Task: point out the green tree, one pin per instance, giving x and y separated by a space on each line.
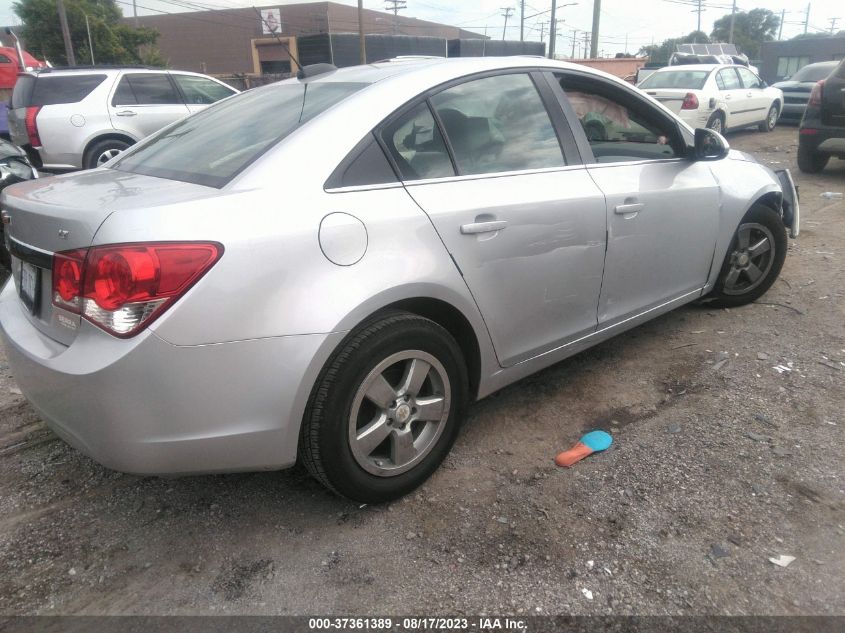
751 29
660 53
114 42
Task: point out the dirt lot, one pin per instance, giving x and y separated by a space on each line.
716 466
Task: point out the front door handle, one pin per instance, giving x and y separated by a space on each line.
483 227
627 209
126 113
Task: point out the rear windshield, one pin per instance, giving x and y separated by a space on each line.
812 72
44 90
213 146
683 79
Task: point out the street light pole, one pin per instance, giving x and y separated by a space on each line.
361 43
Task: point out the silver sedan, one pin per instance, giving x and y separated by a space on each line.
333 267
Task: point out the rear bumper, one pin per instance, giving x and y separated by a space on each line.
146 406
827 140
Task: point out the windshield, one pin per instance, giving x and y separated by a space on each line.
683 79
813 72
212 147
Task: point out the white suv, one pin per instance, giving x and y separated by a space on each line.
80 118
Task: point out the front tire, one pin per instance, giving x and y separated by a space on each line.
386 409
771 119
811 162
754 259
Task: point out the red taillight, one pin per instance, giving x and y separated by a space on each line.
690 102
124 287
32 125
816 94
808 131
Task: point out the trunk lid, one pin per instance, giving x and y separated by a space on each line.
64 213
671 98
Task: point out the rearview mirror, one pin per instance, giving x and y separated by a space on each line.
710 145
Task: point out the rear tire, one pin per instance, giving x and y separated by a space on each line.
771 119
753 261
103 151
716 122
385 410
811 162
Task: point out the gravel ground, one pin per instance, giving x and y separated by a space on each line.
716 467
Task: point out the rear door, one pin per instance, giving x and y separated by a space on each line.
500 179
199 92
833 98
144 102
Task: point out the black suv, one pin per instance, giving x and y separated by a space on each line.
822 131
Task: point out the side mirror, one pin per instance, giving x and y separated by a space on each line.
710 145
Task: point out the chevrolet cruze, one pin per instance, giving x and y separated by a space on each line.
331 268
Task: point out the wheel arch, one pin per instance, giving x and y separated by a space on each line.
107 136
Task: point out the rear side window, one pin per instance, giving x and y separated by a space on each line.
45 90
145 89
238 130
498 124
416 145
201 91
729 79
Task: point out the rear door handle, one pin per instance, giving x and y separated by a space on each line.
483 227
126 113
626 209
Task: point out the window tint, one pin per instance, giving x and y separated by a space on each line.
498 124
730 81
201 91
814 72
416 145
618 126
749 79
4 59
239 129
690 79
145 89
48 90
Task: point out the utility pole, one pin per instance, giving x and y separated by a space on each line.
807 18
71 60
574 41
586 44
361 43
594 42
733 20
542 26
782 18
553 30
522 22
135 12
833 22
699 10
90 43
508 12
395 5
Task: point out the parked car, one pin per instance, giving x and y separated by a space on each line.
821 134
14 168
796 89
335 265
716 96
79 118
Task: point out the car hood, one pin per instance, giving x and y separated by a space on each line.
736 154
795 86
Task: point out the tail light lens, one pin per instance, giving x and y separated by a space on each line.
124 287
32 125
816 94
690 102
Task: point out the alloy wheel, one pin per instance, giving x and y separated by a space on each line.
107 155
399 412
751 259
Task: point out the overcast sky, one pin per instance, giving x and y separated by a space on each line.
640 21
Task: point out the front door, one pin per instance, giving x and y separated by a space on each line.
757 99
734 97
662 209
526 229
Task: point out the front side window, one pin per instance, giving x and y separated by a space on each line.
619 127
498 124
201 91
729 79
749 79
213 146
145 89
416 145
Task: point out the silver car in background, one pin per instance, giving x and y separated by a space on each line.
78 118
334 266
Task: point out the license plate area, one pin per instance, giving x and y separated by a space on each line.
29 286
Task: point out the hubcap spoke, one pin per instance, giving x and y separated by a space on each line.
415 375
381 393
430 409
744 236
402 446
730 280
373 434
753 272
759 248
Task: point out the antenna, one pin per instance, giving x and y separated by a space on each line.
278 39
